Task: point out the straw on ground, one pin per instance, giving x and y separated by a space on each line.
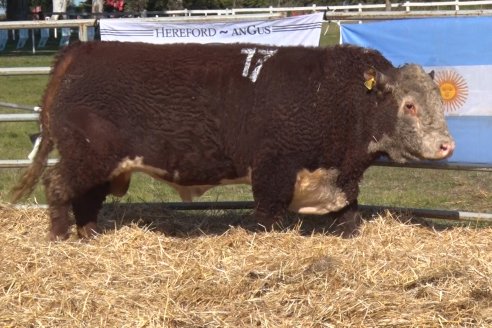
134 275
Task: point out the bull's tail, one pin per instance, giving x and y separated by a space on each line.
31 176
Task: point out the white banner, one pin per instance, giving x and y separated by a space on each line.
291 31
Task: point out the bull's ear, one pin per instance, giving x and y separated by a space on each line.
375 79
431 74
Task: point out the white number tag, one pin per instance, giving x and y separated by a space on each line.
264 55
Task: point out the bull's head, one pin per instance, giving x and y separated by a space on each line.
421 132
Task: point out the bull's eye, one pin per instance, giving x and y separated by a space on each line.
410 108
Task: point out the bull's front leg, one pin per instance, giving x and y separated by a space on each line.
273 187
348 220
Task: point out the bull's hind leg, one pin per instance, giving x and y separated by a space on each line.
70 185
58 195
86 208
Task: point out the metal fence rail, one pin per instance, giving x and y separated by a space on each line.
81 24
6 71
17 106
19 117
386 15
20 163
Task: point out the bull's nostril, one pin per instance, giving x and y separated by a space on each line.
447 148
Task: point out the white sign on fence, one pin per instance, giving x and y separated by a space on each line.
297 30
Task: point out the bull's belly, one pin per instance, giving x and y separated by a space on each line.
314 192
187 193
120 179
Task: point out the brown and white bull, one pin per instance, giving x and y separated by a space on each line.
301 125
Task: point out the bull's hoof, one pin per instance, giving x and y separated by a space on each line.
349 229
53 236
349 222
59 232
88 231
349 233
270 224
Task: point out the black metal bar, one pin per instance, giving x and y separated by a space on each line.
431 213
483 167
248 205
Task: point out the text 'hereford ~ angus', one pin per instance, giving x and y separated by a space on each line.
301 125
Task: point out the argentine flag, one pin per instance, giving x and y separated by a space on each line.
459 50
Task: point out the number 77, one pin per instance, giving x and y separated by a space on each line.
264 54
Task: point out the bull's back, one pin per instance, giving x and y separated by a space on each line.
171 77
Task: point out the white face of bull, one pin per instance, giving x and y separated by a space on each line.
421 131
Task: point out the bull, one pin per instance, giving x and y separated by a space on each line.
301 125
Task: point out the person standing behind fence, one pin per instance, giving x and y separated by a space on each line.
37 13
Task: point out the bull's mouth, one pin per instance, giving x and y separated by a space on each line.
444 151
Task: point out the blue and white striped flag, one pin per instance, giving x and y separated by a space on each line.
459 50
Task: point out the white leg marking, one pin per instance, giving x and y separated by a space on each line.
316 192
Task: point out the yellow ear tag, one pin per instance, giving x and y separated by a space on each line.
370 83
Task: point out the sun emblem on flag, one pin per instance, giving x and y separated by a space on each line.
454 90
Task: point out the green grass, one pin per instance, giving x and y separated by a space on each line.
330 34
428 188
15 59
421 188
